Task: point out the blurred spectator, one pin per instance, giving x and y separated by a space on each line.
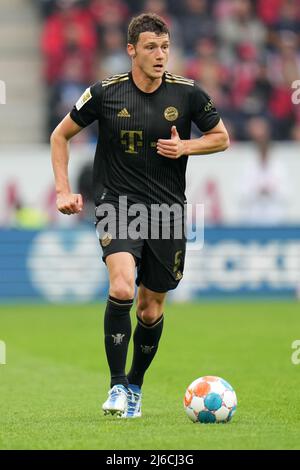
208 194
114 58
134 6
195 24
46 7
67 31
29 218
256 100
21 215
239 26
289 17
222 9
244 72
284 68
264 185
269 10
206 69
284 63
66 91
251 89
109 15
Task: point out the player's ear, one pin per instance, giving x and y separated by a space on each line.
131 50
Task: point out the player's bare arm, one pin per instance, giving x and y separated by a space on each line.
67 202
213 141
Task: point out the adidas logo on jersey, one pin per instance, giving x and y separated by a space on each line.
123 113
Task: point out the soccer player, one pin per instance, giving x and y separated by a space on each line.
144 118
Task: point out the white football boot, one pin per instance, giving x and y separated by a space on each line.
116 403
134 403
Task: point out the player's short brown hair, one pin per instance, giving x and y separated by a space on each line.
147 22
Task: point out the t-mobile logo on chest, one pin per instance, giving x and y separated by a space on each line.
132 140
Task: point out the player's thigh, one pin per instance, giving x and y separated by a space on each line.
120 254
121 270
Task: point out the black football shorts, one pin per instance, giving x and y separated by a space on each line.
160 262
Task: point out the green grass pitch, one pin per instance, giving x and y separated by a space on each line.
56 378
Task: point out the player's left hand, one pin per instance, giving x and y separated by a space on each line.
171 148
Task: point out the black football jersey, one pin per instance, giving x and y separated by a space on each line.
130 123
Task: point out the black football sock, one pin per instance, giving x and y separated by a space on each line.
145 341
117 330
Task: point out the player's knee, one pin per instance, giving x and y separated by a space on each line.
151 311
141 304
121 288
150 317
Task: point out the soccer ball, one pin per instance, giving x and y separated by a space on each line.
210 399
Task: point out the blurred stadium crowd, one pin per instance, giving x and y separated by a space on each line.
244 53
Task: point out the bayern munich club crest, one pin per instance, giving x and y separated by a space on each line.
171 113
106 239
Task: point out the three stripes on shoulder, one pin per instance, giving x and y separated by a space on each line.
170 78
121 77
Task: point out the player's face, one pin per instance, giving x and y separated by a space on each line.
151 54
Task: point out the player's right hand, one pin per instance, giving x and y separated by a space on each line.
69 203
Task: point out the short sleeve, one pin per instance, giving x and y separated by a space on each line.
88 107
204 113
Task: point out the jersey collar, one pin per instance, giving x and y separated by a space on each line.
144 92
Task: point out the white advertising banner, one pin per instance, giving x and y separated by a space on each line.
233 186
